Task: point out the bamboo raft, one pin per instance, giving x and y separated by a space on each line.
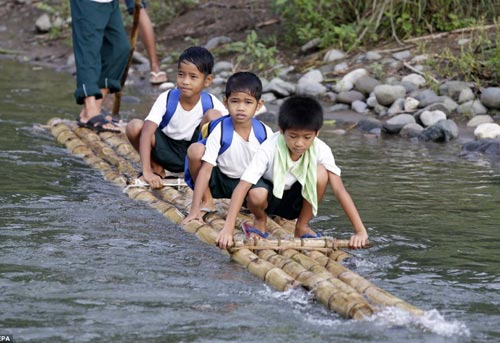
283 262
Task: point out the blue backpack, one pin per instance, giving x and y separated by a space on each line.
173 100
226 138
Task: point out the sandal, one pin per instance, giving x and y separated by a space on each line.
157 78
308 235
96 123
248 230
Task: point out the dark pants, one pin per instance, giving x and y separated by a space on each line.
222 186
101 47
170 153
289 206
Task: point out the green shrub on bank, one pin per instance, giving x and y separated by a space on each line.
478 60
348 23
253 54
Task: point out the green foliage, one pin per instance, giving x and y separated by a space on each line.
451 21
254 54
477 61
60 8
349 23
163 12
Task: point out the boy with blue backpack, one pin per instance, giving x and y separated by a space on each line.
217 162
173 122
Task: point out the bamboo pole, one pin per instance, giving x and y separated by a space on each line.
330 291
133 40
372 292
266 271
321 244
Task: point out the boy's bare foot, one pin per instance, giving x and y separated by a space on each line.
208 207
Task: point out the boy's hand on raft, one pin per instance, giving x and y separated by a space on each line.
153 180
224 239
358 240
192 216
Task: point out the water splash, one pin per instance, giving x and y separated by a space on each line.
430 321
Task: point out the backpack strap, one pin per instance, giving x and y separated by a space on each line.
259 130
206 102
226 134
209 127
173 100
227 130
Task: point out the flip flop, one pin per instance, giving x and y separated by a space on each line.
157 78
308 235
96 123
249 230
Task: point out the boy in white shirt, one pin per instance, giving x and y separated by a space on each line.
296 167
217 163
163 138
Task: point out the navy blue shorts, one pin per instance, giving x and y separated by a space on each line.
289 206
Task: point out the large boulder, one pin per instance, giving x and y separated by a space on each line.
387 94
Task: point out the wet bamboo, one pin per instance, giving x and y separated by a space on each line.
336 295
373 293
64 135
266 271
122 146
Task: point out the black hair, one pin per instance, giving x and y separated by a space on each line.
200 57
300 113
246 82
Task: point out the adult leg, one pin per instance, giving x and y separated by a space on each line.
88 23
147 34
114 52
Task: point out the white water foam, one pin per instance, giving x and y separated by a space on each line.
431 321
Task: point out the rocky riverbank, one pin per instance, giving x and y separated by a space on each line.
380 92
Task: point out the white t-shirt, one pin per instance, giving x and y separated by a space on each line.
263 161
183 123
234 161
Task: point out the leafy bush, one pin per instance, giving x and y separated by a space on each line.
348 23
253 54
478 60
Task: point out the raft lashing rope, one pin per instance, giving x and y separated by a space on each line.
283 262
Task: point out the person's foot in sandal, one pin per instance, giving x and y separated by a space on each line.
99 123
157 77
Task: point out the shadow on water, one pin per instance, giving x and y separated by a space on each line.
81 262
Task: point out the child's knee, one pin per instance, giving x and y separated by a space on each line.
196 151
257 196
212 114
134 127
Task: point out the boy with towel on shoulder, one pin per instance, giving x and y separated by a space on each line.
295 166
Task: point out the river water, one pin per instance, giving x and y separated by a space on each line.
81 262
